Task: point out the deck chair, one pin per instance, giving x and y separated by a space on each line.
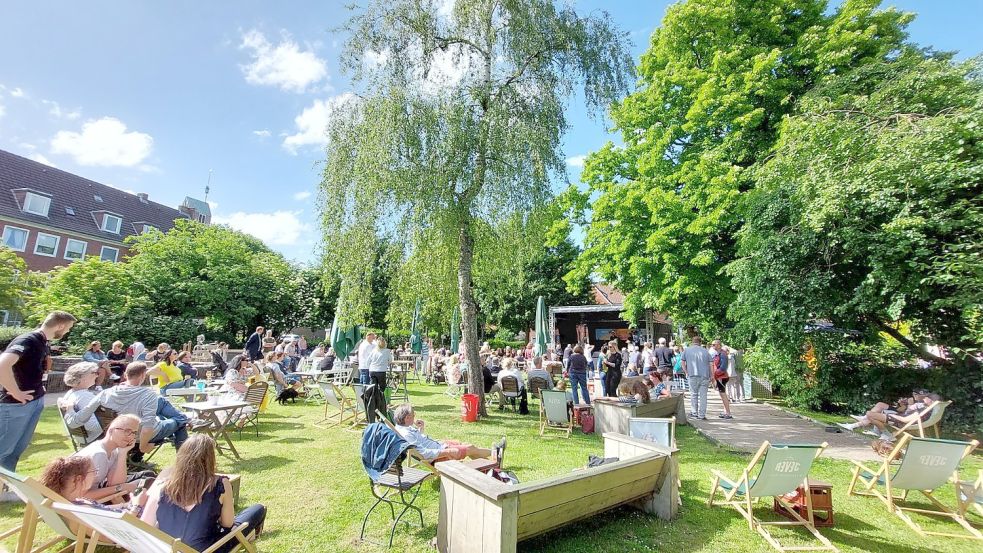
783 469
133 534
554 412
335 398
361 416
536 384
925 465
398 486
255 394
78 436
510 389
37 500
916 426
969 493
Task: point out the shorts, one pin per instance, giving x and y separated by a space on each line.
457 450
722 385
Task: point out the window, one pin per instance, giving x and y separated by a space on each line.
111 223
37 204
97 198
70 210
75 249
15 238
148 228
46 244
109 254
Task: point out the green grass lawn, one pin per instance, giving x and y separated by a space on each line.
312 482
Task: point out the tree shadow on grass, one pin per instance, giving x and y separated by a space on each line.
265 462
44 442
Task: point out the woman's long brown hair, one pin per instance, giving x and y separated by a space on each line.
194 471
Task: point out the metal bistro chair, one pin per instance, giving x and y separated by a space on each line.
397 486
510 389
255 394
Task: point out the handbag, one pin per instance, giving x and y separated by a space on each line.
587 423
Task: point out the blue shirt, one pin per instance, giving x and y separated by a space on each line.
428 447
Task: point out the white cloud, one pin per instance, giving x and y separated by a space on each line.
263 133
446 70
55 109
280 228
18 93
312 123
302 195
41 159
576 161
3 110
283 65
104 142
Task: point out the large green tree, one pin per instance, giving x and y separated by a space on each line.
459 126
14 280
715 84
869 215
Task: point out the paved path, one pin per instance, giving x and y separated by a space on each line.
755 422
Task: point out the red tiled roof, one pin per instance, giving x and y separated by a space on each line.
605 294
72 191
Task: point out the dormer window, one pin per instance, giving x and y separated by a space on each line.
97 198
148 228
36 204
111 223
70 210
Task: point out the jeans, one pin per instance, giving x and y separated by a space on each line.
172 423
363 376
698 395
578 380
254 515
174 386
17 424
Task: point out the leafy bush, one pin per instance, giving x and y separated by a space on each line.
8 333
495 343
129 326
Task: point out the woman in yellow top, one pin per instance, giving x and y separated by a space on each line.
168 374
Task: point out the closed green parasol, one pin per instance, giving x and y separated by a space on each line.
416 337
539 347
343 340
455 330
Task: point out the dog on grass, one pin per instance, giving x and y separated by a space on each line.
290 393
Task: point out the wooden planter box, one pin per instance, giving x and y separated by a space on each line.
612 415
479 514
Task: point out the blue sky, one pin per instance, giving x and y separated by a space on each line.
150 96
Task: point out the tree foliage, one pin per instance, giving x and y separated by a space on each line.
458 129
716 81
15 283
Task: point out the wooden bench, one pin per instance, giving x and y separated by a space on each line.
481 514
610 415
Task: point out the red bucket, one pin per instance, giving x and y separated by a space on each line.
469 408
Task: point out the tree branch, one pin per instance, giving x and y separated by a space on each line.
519 71
906 342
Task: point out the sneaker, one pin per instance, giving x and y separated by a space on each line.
694 415
873 433
848 427
703 417
725 416
9 497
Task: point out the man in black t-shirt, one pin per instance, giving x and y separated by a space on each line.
22 366
663 356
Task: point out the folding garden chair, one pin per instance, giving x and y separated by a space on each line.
78 436
510 389
554 412
361 416
969 493
783 469
925 465
397 486
454 389
918 427
133 534
335 398
255 394
34 495
536 384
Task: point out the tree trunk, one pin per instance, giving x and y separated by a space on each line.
469 314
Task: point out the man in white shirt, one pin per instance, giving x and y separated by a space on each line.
364 352
696 363
508 369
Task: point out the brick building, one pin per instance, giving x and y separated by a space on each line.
51 217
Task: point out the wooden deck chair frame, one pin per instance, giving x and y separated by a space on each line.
334 397
37 499
970 494
741 494
551 401
133 534
254 396
911 451
77 436
933 421
359 403
455 389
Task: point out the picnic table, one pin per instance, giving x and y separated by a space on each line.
218 416
397 381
